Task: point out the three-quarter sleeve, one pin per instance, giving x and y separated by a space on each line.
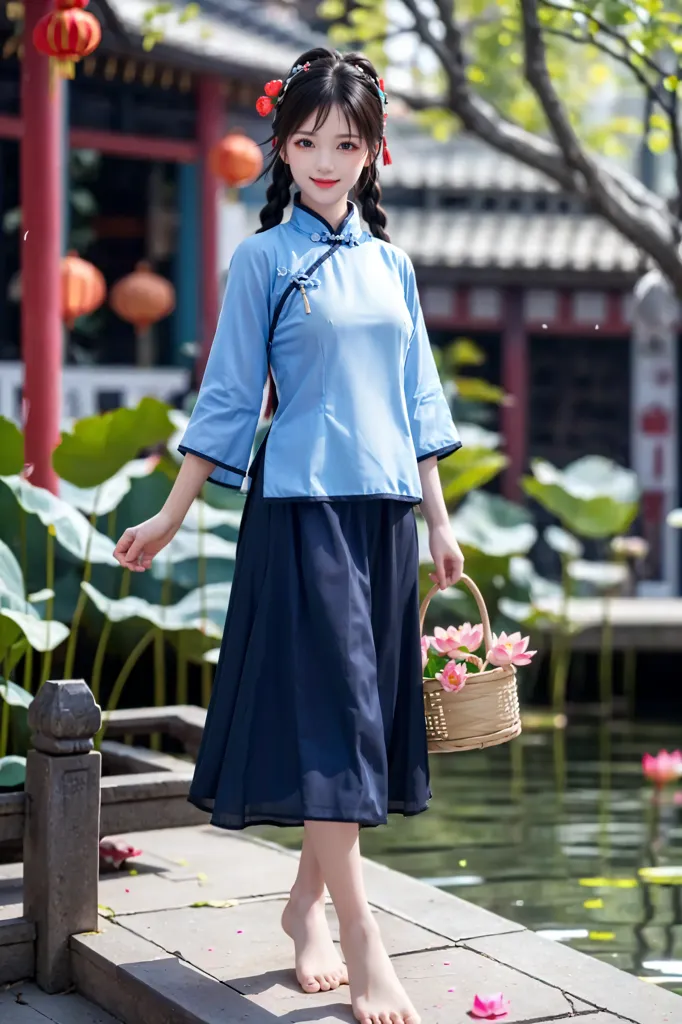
431 424
224 420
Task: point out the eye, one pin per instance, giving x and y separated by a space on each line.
302 140
351 144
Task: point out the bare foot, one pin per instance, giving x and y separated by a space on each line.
376 994
318 965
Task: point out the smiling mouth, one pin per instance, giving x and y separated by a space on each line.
326 181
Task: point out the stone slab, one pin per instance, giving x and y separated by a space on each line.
14 927
585 977
38 1007
234 868
248 937
427 977
142 984
17 960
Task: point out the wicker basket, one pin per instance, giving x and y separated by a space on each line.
485 712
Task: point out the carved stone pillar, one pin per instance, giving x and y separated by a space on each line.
61 841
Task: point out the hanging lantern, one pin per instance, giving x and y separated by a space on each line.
83 288
236 159
67 34
142 298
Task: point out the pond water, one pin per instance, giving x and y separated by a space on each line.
552 831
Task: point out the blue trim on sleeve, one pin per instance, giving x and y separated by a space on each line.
441 453
184 450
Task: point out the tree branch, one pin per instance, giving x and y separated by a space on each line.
619 211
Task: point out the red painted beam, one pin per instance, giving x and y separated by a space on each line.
210 131
514 416
142 147
41 204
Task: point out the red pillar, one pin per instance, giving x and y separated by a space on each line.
515 371
210 131
41 200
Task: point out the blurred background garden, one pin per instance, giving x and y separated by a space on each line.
537 186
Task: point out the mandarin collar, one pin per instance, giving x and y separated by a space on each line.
318 229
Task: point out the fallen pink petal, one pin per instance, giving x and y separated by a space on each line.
490 1007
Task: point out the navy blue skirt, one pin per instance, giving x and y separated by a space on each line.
317 709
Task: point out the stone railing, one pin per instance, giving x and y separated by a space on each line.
67 805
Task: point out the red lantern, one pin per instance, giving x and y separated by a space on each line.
83 288
236 159
67 34
142 297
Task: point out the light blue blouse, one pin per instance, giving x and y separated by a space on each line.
360 402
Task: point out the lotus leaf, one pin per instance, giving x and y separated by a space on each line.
100 446
12 771
593 496
186 614
72 529
107 496
11 448
562 542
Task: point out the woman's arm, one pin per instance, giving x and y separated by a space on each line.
138 544
445 550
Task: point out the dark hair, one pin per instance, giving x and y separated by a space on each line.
331 79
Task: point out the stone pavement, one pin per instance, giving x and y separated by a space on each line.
25 1004
194 936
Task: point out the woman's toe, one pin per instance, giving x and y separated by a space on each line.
385 1018
311 984
396 1018
324 984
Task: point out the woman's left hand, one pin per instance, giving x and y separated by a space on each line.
447 556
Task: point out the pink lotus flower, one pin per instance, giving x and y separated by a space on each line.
453 677
663 767
456 642
510 650
490 1007
426 643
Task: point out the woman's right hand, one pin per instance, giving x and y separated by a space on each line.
138 544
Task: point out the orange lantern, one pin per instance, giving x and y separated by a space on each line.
142 297
236 159
67 34
83 288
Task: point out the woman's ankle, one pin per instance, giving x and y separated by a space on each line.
303 895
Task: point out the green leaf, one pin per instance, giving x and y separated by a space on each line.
465 352
42 635
12 771
475 436
107 496
593 496
494 526
212 656
467 470
15 695
562 542
602 575
72 529
100 446
11 448
40 595
11 578
202 610
474 389
202 516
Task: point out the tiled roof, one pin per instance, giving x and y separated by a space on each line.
505 242
511 241
233 34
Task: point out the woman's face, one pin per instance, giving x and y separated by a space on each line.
331 154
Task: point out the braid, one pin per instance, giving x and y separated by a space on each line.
278 195
369 197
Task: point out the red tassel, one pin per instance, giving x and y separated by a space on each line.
387 153
274 142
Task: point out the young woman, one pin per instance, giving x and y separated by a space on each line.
316 716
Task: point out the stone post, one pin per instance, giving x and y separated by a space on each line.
61 839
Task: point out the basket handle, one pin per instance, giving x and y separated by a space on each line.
478 597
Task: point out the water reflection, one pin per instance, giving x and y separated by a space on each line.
552 831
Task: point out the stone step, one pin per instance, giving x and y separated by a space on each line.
17 937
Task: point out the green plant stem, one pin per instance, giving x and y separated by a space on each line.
159 681
630 679
98 661
111 524
49 582
82 597
182 695
606 657
28 668
24 544
4 728
560 659
121 680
